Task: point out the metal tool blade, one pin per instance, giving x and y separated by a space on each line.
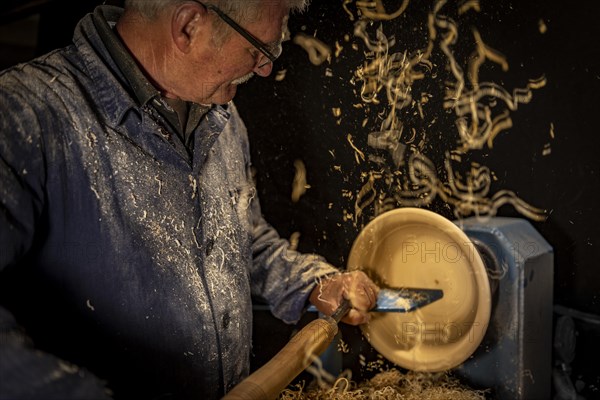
402 299
405 299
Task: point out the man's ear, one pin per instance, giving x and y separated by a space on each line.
188 21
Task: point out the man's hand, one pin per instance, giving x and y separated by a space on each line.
354 286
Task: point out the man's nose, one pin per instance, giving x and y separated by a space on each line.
264 71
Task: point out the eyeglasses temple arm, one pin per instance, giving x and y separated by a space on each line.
241 31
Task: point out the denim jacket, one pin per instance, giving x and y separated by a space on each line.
120 251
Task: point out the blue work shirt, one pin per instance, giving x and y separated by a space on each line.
123 252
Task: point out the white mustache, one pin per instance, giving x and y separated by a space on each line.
242 79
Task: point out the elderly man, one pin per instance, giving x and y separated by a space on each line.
131 236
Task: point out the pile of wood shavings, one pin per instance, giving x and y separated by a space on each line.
391 384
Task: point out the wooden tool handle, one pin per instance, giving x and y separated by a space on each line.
268 381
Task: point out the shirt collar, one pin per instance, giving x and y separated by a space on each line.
143 90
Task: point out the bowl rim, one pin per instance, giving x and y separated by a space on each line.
458 352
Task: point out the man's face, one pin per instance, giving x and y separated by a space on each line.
215 72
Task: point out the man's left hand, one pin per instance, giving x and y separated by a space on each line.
354 286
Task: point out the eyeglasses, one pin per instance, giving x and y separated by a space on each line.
271 52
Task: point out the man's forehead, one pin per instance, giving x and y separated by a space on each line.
272 14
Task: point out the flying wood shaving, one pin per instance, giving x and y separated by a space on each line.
474 118
482 111
482 53
365 197
294 240
280 75
468 5
374 10
468 197
318 52
299 185
345 6
547 150
358 155
338 49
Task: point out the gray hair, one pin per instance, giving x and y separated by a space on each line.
241 11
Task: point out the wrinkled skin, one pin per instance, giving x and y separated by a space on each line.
354 286
181 59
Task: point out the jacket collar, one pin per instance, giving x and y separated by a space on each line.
104 22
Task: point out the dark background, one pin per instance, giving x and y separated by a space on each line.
292 119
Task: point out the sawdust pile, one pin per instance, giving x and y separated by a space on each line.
391 384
